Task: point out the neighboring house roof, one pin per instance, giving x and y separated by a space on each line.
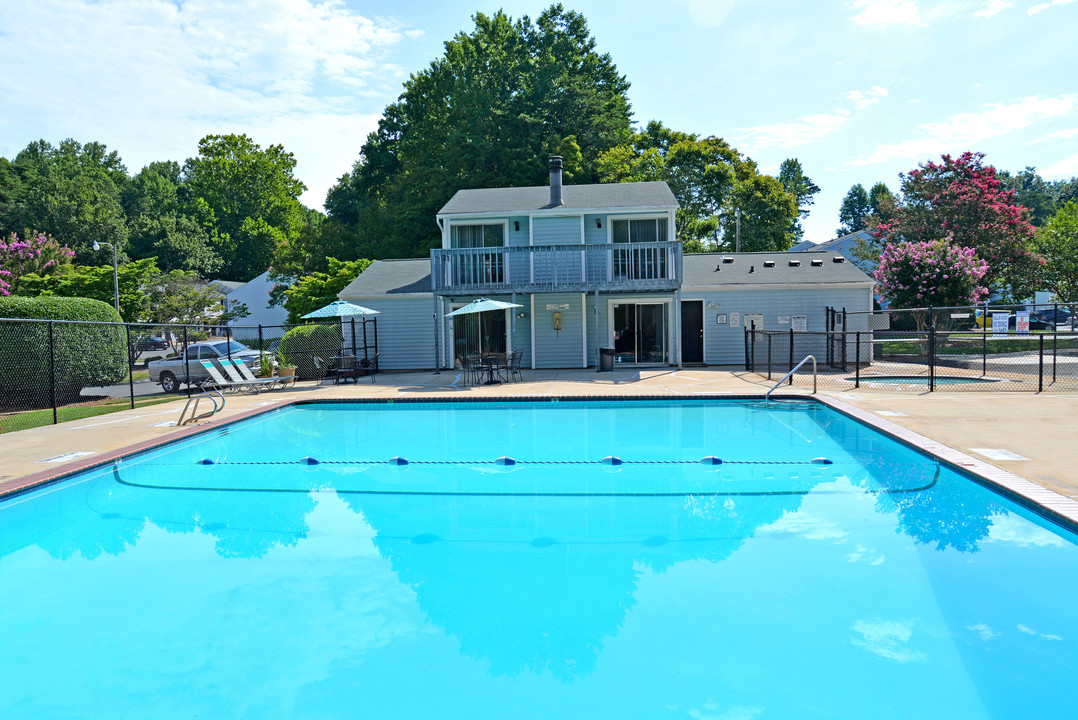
839 244
774 268
803 245
606 196
225 286
391 277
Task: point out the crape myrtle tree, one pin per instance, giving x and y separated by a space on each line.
962 198
933 273
38 254
487 113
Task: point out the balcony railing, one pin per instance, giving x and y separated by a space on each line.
557 268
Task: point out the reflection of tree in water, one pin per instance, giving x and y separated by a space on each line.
951 513
537 584
107 517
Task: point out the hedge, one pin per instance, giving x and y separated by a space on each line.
302 344
84 355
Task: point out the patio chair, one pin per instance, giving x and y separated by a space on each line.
473 369
370 365
324 370
220 382
245 374
513 365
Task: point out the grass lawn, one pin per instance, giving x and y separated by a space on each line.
973 344
37 418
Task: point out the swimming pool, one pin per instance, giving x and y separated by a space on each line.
821 570
919 380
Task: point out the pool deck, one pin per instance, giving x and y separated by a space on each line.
1029 437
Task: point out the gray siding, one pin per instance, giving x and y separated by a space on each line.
564 349
556 231
518 238
405 332
725 345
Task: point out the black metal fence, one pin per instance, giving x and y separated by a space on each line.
953 360
55 370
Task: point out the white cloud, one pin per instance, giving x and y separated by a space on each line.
1017 531
1044 6
993 7
883 13
887 639
861 99
985 631
1068 167
963 130
709 13
150 77
806 525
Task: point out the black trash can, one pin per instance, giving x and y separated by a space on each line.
606 359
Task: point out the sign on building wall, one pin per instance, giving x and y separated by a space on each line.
735 319
720 319
754 321
799 323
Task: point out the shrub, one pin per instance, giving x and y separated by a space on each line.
84 354
302 344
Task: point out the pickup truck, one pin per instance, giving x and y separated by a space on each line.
172 372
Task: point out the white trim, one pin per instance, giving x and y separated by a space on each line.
787 286
641 300
447 241
640 216
584 318
531 320
560 211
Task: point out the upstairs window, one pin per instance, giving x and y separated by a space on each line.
634 231
478 236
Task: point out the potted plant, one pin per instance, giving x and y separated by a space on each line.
285 368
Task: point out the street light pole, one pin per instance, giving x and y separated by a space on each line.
115 275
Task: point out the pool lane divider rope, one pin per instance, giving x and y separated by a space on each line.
508 462
492 493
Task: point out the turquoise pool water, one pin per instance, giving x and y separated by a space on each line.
769 586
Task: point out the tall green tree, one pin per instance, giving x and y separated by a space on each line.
794 181
248 200
856 206
71 192
1030 191
487 113
1057 242
767 213
320 289
95 282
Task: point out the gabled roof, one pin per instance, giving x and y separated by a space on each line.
523 200
390 277
769 268
839 243
225 286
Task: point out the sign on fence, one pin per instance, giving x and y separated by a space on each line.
1000 322
1021 322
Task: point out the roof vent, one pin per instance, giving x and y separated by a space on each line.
718 267
795 263
817 263
752 268
769 263
727 260
838 259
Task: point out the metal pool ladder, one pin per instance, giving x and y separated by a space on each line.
194 407
795 369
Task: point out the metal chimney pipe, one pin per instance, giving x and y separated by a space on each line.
555 181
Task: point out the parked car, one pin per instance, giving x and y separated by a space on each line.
1037 320
172 372
150 343
1058 317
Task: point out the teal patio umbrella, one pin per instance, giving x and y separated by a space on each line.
483 305
339 308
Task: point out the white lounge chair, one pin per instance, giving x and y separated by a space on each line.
222 383
245 374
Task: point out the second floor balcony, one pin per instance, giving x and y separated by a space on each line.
605 267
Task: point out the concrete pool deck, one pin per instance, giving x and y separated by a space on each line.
1035 437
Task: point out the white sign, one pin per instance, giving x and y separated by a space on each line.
959 315
1000 322
735 319
558 307
799 323
720 319
784 319
1021 322
754 321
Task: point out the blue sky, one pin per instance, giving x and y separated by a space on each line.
858 90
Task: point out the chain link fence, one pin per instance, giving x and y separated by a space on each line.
53 371
994 348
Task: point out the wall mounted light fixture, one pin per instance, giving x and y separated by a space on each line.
516 225
521 315
599 223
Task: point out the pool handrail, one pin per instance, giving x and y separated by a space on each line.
796 367
195 399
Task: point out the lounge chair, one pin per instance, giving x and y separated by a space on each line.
219 381
245 374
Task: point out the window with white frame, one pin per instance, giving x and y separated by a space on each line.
626 230
477 236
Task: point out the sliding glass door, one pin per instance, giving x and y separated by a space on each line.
640 333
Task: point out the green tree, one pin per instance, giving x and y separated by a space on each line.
246 198
71 192
95 282
487 113
882 203
795 182
179 296
1057 242
320 289
767 213
1032 192
160 225
856 206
